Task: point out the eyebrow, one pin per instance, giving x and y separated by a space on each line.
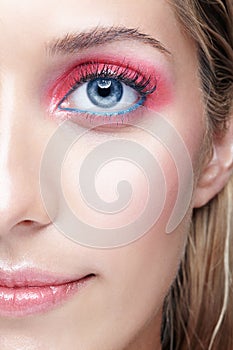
74 42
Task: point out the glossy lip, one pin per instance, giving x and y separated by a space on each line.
30 291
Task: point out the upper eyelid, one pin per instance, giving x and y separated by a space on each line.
108 68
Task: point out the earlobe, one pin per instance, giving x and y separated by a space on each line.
217 171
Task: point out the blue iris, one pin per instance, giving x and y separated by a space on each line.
105 92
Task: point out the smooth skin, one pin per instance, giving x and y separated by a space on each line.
121 308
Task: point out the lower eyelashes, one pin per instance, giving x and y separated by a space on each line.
105 121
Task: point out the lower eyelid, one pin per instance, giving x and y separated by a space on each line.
103 122
106 114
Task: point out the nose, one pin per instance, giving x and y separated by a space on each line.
21 146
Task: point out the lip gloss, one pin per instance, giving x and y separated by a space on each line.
28 293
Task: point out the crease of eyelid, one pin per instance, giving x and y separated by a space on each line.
71 43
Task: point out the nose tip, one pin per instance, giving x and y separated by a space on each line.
20 197
20 200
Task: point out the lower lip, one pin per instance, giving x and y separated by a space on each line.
23 301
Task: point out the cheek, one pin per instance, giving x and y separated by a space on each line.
128 180
121 190
135 280
106 187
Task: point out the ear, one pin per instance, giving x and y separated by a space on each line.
217 171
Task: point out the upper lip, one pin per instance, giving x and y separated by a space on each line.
31 277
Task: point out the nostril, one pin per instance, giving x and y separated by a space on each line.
30 223
27 222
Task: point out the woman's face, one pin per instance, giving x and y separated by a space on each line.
48 48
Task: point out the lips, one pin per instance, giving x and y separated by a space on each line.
30 291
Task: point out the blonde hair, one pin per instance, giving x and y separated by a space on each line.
198 310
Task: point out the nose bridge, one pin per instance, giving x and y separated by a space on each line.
18 166
19 157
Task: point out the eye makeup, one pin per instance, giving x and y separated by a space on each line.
142 85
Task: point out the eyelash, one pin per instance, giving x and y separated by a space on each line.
123 73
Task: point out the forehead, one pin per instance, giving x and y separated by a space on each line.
35 21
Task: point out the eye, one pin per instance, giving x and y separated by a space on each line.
104 92
102 96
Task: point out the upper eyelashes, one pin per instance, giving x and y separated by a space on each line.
104 89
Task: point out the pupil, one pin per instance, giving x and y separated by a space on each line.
105 92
